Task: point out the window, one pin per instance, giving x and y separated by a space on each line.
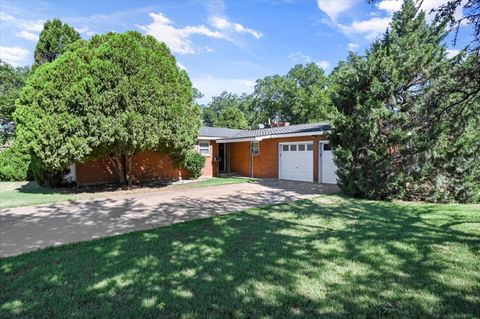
327 147
309 147
204 147
301 147
285 148
255 148
293 147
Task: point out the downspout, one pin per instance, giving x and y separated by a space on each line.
227 145
251 160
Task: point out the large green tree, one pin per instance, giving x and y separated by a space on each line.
228 110
53 41
11 82
114 95
300 96
232 118
392 138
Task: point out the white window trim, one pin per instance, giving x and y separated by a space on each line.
209 147
251 148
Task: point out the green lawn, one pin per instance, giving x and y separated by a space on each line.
14 194
330 257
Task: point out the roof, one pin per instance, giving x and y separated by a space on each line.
217 131
301 128
237 134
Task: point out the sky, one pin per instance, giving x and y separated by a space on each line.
223 45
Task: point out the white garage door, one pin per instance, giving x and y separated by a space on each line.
328 168
296 161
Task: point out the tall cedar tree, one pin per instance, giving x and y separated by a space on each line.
376 97
53 41
114 95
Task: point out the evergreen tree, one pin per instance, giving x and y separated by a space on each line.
383 135
53 41
114 95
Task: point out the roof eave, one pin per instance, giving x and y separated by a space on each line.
264 137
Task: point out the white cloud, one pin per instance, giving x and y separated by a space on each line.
225 24
323 64
390 5
29 29
452 52
352 46
27 25
334 7
181 66
371 28
212 86
299 57
27 35
178 38
14 55
85 30
379 20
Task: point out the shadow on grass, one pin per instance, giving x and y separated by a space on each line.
330 257
34 188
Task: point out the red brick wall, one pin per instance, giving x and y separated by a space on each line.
210 168
148 165
240 158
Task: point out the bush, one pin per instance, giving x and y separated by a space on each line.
15 164
194 163
44 176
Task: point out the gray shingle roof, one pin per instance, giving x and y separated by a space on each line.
301 128
233 134
217 131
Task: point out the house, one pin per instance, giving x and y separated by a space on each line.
289 152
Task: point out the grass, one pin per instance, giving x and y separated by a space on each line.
330 257
15 194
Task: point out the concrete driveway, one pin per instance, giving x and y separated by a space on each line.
25 229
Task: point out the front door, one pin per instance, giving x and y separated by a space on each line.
221 155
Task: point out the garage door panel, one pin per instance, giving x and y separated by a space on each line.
296 162
328 167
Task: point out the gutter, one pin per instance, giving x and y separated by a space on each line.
265 137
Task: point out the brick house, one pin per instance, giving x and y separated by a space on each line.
290 152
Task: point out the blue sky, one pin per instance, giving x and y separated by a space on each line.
223 45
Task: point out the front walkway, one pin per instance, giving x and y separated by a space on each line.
25 229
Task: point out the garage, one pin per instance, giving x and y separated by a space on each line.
296 161
327 172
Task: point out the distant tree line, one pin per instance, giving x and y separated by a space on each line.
300 96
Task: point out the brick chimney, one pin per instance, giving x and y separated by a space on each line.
280 124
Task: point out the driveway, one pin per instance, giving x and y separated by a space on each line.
26 229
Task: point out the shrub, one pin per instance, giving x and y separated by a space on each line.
194 163
15 164
44 176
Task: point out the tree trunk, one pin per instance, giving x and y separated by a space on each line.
117 164
122 164
128 167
